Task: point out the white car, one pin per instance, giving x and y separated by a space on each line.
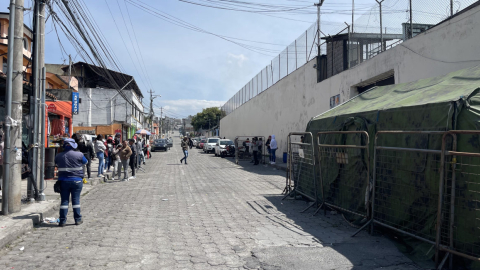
220 146
209 146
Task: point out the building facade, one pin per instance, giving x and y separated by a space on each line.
288 105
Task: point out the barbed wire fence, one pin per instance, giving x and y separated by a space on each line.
343 46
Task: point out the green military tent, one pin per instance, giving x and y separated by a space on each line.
407 184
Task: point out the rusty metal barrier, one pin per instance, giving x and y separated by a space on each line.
345 171
244 148
301 176
460 197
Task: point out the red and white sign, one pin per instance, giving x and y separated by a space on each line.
52 108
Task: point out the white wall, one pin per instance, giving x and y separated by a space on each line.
98 110
289 104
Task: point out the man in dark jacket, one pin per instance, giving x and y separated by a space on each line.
86 148
133 157
70 174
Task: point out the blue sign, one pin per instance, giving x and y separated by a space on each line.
75 99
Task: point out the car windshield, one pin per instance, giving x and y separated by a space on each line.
212 140
203 141
160 141
226 142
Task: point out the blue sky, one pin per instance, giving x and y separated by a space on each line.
193 70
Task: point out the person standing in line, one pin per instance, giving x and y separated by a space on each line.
133 157
255 151
267 143
273 149
108 158
140 156
100 151
124 154
260 146
87 151
185 150
70 174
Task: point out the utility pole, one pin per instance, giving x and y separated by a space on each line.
12 180
381 25
353 12
451 7
41 104
411 20
161 121
319 53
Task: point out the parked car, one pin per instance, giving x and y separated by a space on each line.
170 142
209 146
195 141
201 143
160 144
221 145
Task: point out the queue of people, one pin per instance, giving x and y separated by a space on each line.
76 158
255 147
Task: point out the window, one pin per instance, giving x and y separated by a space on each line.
25 44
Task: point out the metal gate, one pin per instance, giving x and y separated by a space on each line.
301 177
244 148
344 157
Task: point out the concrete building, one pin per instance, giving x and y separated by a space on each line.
100 104
288 105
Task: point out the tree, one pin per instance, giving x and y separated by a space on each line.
206 119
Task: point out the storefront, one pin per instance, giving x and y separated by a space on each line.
58 122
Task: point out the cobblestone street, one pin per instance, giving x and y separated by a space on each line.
209 214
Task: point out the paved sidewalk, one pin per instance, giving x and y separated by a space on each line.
209 214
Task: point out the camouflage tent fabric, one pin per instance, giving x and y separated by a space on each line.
450 102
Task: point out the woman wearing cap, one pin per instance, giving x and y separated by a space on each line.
70 174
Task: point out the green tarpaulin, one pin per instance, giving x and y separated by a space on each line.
407 182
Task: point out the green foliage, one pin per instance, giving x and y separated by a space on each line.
201 120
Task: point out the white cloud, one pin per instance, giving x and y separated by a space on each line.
237 59
184 107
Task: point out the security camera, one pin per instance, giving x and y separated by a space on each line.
315 66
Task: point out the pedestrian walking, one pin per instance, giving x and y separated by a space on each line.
133 157
124 153
273 149
85 147
70 174
100 152
190 142
185 150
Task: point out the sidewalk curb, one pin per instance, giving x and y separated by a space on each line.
15 225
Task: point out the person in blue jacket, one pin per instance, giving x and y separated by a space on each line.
70 174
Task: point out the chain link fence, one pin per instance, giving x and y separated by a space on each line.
343 47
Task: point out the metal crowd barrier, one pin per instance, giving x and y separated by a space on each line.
400 174
301 173
460 177
345 171
244 149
